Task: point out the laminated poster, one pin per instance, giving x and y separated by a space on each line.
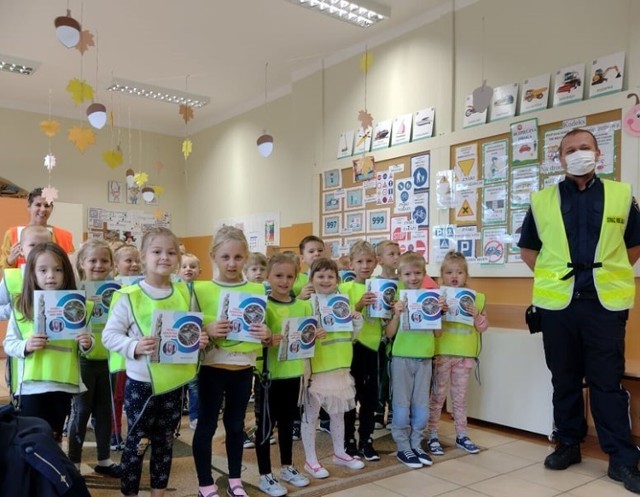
298 338
333 311
242 310
421 310
385 291
59 314
178 336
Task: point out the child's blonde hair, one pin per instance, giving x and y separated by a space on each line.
384 244
360 247
35 230
159 232
85 249
452 257
282 258
227 234
191 256
294 256
255 259
412 259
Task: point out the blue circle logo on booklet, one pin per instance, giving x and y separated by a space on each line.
253 310
465 302
105 293
429 306
307 333
188 333
73 311
388 291
340 309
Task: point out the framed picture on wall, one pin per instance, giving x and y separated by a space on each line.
331 225
353 199
331 203
354 222
114 192
378 220
332 179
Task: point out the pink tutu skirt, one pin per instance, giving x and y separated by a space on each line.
335 390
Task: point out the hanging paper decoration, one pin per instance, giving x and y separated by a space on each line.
49 193
158 214
50 127
157 166
113 158
187 147
80 90
186 111
365 61
86 41
81 137
141 178
159 189
366 119
50 161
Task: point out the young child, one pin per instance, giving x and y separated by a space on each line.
456 352
153 390
127 263
311 248
364 367
256 267
48 372
387 255
189 272
94 263
331 386
227 368
281 403
412 352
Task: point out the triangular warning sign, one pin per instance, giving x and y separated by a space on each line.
466 165
444 244
465 210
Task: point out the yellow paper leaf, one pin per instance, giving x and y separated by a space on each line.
50 127
81 137
86 41
365 62
159 189
141 178
186 111
80 90
113 158
187 147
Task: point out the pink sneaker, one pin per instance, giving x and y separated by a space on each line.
348 462
317 471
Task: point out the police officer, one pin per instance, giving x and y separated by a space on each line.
581 239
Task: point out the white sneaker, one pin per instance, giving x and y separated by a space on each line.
318 471
292 476
270 486
193 424
348 462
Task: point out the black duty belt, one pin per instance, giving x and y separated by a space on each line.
579 266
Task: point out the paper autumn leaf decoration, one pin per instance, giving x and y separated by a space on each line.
50 161
159 189
49 193
141 178
158 214
366 119
113 158
157 165
80 90
86 41
50 127
81 137
365 62
186 112
187 147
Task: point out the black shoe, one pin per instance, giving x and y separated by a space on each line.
628 475
351 448
295 435
368 452
325 425
114 471
563 457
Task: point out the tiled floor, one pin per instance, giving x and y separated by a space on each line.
510 466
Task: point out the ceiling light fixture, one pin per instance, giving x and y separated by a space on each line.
67 30
361 12
18 66
168 95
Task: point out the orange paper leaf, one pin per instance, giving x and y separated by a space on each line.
81 137
86 41
50 127
186 112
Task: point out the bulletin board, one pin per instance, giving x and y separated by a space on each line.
488 188
376 201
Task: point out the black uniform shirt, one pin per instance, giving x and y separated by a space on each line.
582 213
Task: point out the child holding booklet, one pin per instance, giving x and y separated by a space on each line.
311 248
48 371
456 350
331 386
411 352
227 368
94 263
152 390
279 400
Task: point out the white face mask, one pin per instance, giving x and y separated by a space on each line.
581 162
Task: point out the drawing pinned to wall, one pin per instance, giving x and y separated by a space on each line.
363 169
114 192
494 204
493 246
401 129
445 189
568 86
607 75
503 103
381 135
331 179
535 94
362 141
270 232
524 141
354 199
345 144
495 161
423 121
261 230
354 222
524 182
466 165
331 202
471 116
127 226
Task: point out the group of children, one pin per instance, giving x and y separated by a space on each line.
342 374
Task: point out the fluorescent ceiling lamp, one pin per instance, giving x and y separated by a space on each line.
18 66
361 13
157 93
